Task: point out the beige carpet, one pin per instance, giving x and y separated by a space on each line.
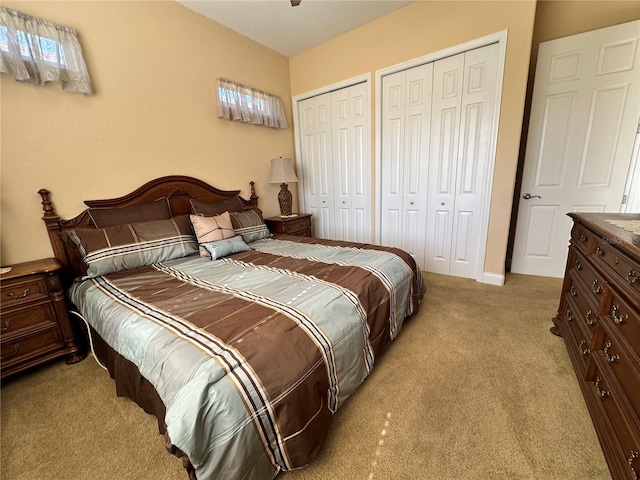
474 387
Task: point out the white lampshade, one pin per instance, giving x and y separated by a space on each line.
282 171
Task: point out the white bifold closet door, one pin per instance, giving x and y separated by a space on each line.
335 163
406 116
437 122
464 89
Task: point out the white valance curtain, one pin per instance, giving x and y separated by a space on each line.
36 51
245 104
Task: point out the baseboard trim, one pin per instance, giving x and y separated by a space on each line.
493 279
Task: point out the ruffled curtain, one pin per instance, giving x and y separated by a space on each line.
245 104
36 51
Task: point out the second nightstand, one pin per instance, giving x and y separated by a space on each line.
34 318
299 225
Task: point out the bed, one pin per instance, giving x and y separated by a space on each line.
241 343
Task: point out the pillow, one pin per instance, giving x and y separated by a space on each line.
216 208
210 229
228 246
144 212
250 225
113 249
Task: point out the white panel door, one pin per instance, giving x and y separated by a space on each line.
584 117
406 117
317 163
448 77
351 134
476 114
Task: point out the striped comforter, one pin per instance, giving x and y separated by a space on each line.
252 354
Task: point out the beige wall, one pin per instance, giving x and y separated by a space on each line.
425 27
154 66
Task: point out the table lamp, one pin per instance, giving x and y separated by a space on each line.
282 173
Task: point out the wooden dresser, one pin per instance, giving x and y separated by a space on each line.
35 326
599 319
299 225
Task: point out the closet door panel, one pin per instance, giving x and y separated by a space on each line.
475 129
443 160
392 174
360 163
324 166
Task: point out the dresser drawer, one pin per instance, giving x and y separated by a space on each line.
585 312
578 338
623 268
14 292
14 322
605 388
592 279
622 363
581 237
626 321
37 343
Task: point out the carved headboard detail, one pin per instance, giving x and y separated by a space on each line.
178 189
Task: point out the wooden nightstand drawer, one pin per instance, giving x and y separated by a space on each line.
22 291
17 321
292 228
35 344
299 225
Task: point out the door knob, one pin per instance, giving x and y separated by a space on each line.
527 196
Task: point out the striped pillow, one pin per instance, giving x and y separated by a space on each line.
113 249
210 229
250 225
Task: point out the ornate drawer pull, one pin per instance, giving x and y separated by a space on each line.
583 237
6 326
590 321
595 288
570 317
600 251
585 351
632 457
610 358
15 297
16 351
573 291
618 319
578 264
603 393
632 277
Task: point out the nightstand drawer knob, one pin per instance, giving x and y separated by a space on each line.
16 351
6 326
15 297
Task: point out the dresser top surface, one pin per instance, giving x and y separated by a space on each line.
601 223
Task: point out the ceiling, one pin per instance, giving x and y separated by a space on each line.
291 30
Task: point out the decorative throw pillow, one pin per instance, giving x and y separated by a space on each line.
144 212
210 229
228 246
208 209
113 249
250 225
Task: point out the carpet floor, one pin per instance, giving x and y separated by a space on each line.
474 387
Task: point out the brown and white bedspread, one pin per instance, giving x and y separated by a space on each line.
253 353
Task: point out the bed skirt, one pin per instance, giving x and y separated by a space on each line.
131 384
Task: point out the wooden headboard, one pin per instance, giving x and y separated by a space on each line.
178 189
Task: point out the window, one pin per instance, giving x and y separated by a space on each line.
35 51
245 104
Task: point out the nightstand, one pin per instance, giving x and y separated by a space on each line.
34 320
299 225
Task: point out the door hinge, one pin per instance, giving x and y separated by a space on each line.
624 199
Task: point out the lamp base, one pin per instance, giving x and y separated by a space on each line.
285 199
